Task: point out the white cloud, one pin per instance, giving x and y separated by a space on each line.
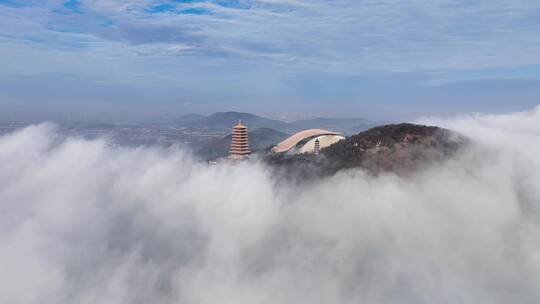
81 222
344 35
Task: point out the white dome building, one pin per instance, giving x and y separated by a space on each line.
305 141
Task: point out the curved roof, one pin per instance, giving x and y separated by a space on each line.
292 141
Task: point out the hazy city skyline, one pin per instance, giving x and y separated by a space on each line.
393 60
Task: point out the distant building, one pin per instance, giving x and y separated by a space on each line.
308 141
240 142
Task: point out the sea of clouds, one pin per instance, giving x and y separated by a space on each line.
82 222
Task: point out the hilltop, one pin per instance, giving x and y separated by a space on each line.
399 148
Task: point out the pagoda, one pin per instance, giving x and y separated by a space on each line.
317 146
240 143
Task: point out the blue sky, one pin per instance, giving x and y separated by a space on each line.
281 58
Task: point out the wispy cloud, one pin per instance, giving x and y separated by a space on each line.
388 35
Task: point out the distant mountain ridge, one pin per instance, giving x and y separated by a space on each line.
225 120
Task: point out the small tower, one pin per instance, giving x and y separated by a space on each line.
317 146
239 143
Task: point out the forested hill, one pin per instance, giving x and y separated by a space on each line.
398 148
